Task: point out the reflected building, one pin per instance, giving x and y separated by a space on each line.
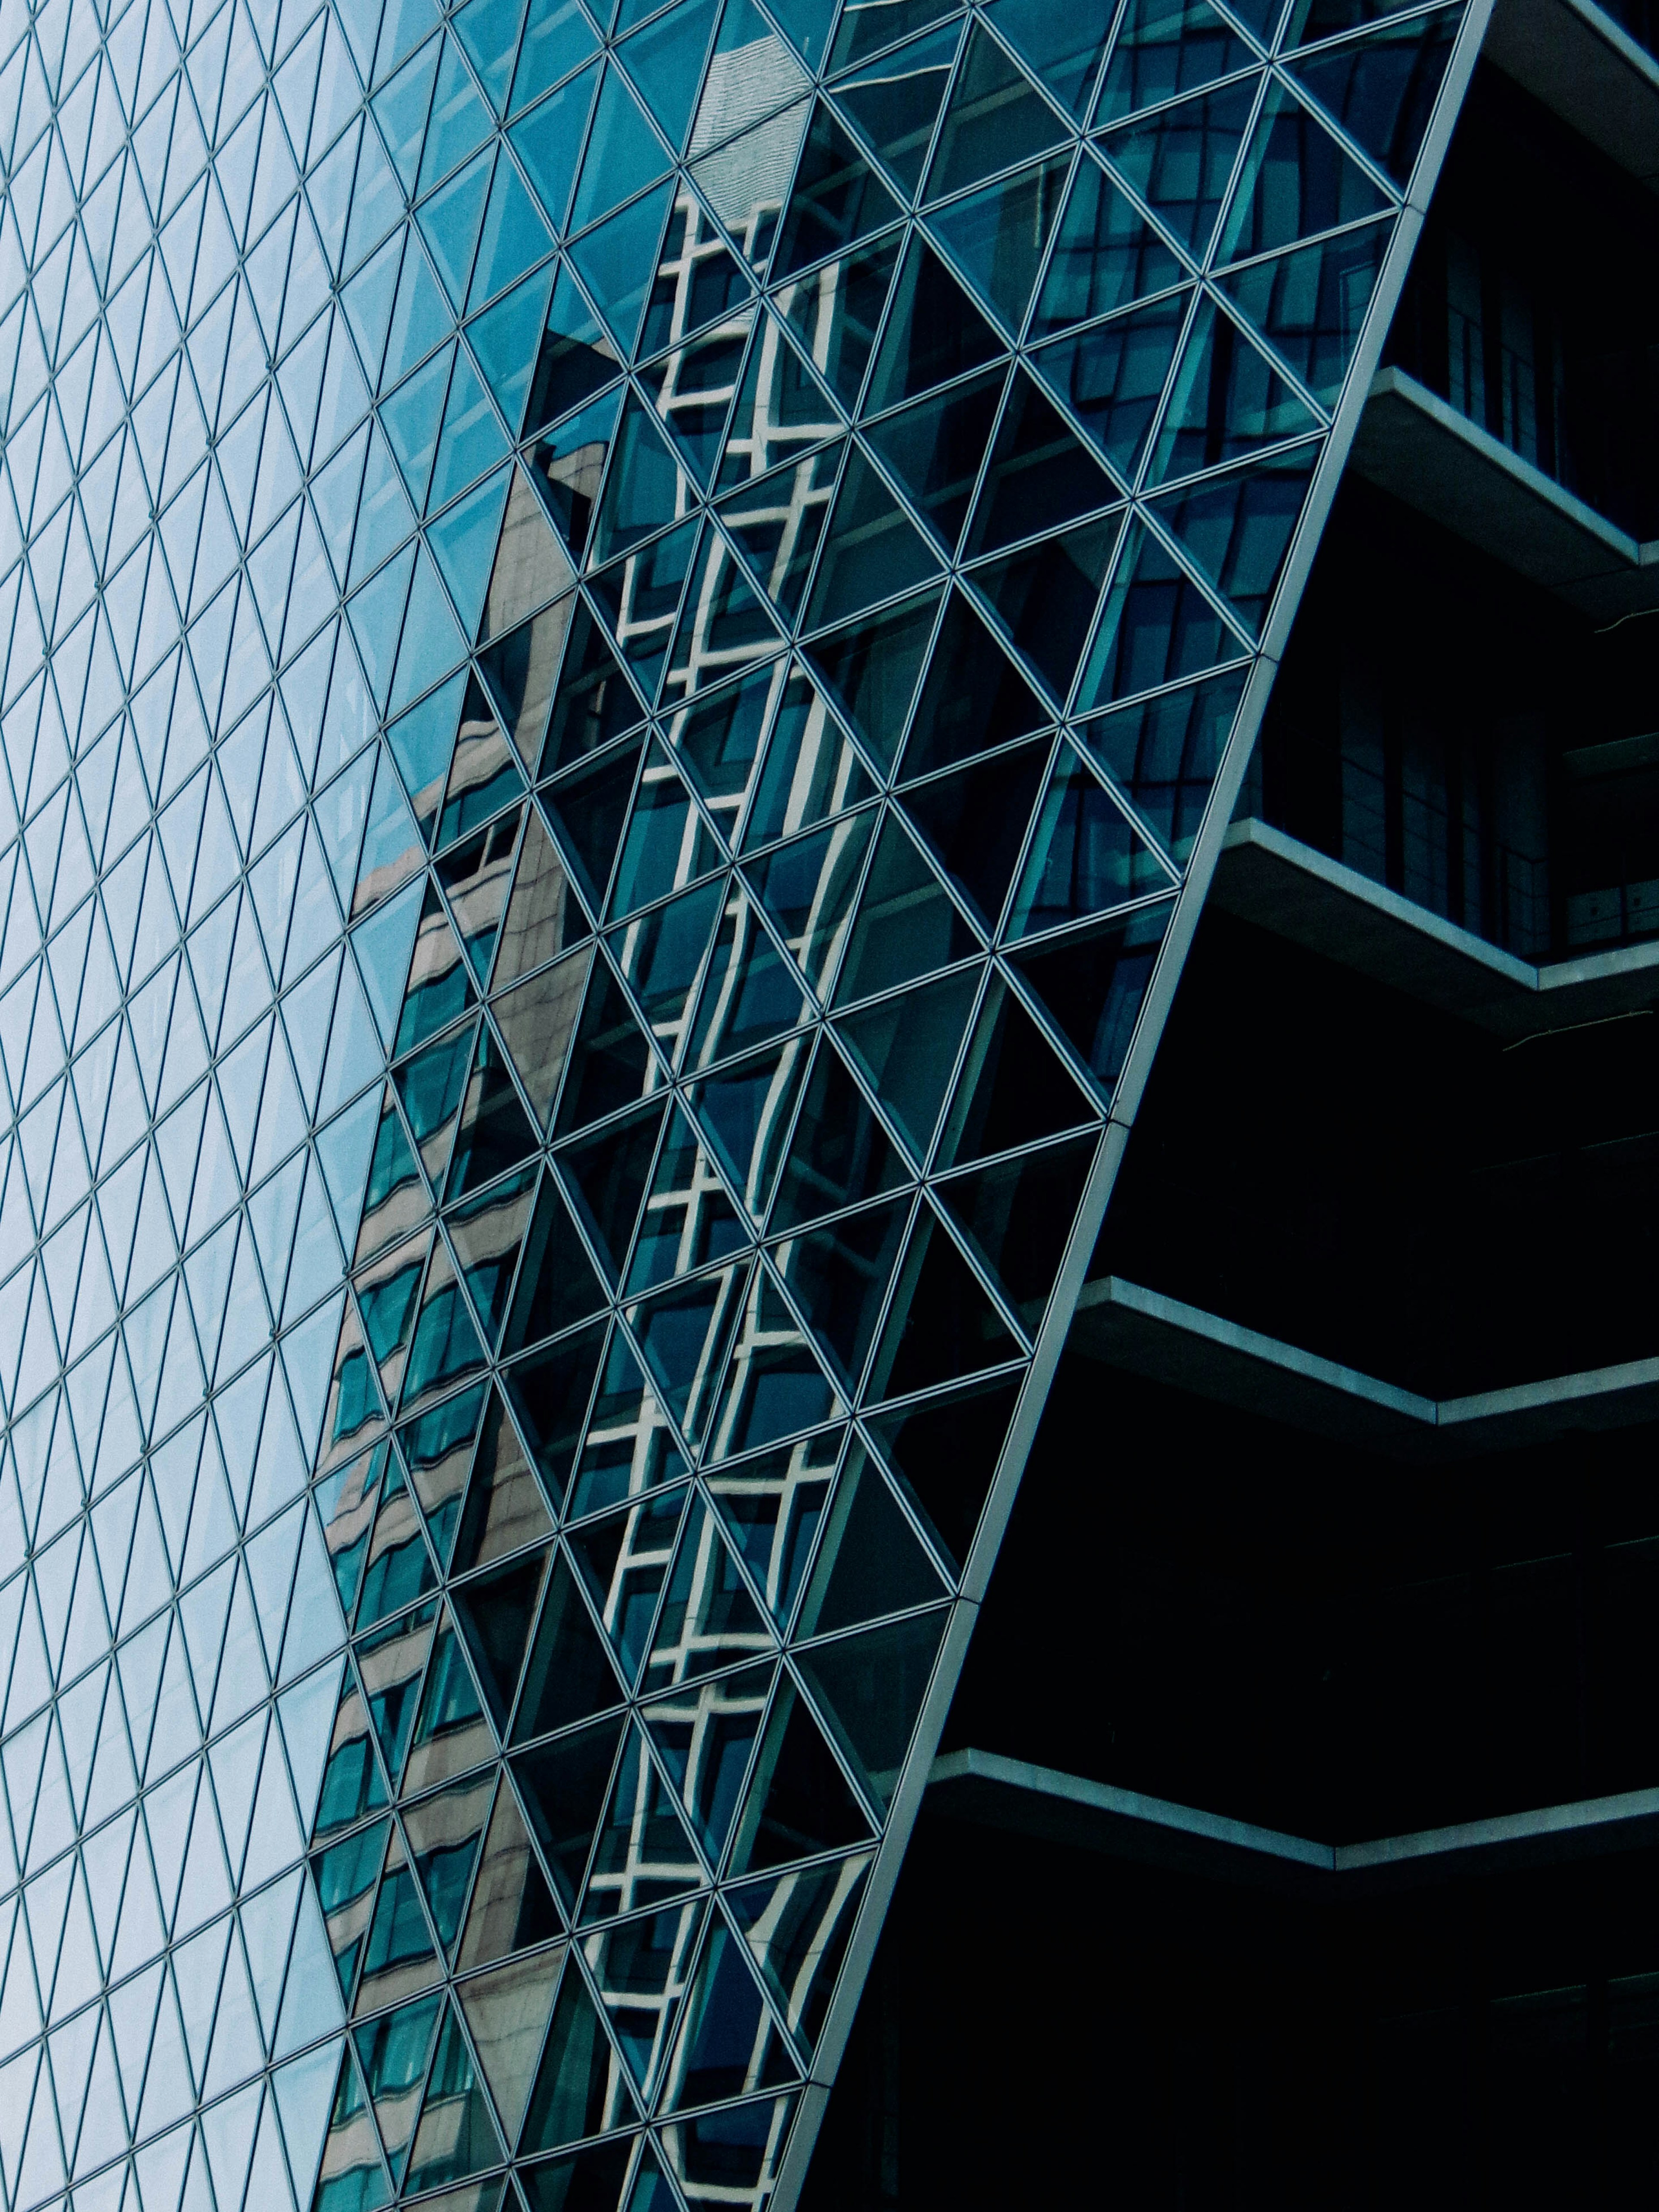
650 653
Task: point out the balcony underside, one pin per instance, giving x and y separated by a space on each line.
989 1790
1127 1326
1414 445
1279 884
1573 57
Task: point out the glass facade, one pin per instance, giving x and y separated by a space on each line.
619 630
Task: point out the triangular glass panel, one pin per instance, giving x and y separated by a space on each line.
1085 857
623 1561
1018 1215
661 955
397 1572
422 742
548 141
896 104
504 1508
1165 47
973 699
1014 1089
1295 181
1180 161
1112 377
974 820
944 1454
905 925
1239 528
840 1276
702 1734
870 1688
345 1876
708 1619
745 1113
565 1788
907 1048
682 1337
870 670
436 1450
513 239
1157 625
1382 89
530 567
431 1085
838 200
667 843
398 1957
841 1154
505 339
511 1906
536 1018
582 2087
771 1506
597 2176
729 2044
493 1132
835 313
750 993
608 1175
934 332
1105 255
486 1235
995 118
640 1970
775 1383
812 771
1093 985
869 1563
1310 304
541 918
508 2011
998 233
394 1663
942 1324
872 552
797 1927
618 263
569 1677
936 447
629 1448
594 702
556 1284
550 1395
440 986
1227 399
496 1614
643 1855
799 1802
688 1219
569 462
588 811
1164 754
1063 48
645 488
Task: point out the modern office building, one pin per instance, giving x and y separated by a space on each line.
802 799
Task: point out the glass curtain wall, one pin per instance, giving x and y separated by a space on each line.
616 629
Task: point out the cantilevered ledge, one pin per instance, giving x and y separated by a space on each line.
1574 58
996 1791
1144 1332
1281 884
1417 447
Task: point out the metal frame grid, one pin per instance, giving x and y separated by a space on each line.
630 643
